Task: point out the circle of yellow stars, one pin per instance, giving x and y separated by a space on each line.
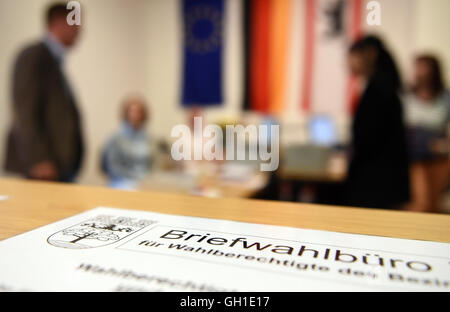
212 42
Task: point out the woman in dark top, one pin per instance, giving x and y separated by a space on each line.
378 171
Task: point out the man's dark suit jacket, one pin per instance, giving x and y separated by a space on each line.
46 123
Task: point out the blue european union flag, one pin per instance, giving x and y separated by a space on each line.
203 37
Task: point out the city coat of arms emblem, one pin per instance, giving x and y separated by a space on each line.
96 232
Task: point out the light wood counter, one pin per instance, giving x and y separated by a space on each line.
33 204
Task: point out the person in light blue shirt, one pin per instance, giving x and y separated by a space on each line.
127 156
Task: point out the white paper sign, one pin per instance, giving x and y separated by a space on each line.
108 249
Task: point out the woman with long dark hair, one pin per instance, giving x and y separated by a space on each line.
378 171
427 109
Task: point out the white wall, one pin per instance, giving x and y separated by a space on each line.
398 29
109 63
432 30
134 46
415 26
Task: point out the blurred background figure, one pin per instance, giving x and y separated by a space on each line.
127 156
45 140
232 63
427 110
378 171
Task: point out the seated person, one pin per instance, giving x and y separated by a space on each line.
127 156
427 111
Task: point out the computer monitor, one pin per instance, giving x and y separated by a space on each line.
322 130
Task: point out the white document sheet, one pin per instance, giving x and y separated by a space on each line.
108 249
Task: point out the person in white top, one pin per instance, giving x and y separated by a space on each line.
427 114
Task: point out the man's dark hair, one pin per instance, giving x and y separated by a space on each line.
56 10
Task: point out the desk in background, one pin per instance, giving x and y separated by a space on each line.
313 164
208 186
310 173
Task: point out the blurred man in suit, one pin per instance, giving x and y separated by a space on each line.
45 141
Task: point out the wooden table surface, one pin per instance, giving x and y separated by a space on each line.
33 204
